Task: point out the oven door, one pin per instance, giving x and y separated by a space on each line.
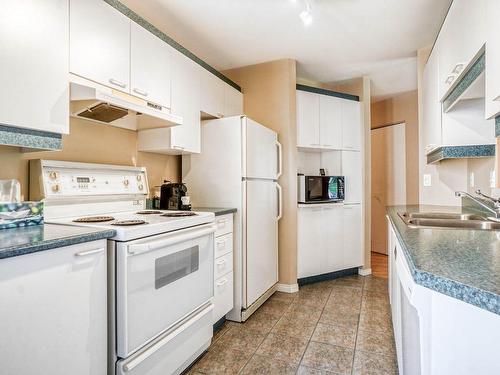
159 281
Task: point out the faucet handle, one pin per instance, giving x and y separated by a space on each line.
494 200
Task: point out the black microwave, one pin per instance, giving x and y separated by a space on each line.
320 189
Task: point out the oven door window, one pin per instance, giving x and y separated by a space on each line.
173 267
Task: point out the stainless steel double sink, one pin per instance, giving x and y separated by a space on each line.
447 220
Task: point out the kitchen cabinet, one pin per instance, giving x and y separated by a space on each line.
233 101
328 238
223 267
34 36
330 121
53 311
431 112
186 138
462 36
492 84
352 170
212 95
351 125
100 43
150 60
307 119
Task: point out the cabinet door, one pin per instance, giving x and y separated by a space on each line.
330 121
492 89
353 240
233 101
212 94
307 119
53 310
333 238
310 258
100 43
431 113
34 40
353 171
186 103
149 66
351 125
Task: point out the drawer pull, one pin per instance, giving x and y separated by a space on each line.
221 262
140 92
89 252
221 245
221 283
117 83
449 79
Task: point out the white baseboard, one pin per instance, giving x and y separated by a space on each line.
364 271
288 288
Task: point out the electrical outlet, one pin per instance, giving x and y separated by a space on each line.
492 180
471 179
427 180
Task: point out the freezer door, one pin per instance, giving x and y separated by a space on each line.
261 151
262 213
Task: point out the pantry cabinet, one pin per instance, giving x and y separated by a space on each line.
212 95
308 119
150 66
351 125
34 40
330 121
100 43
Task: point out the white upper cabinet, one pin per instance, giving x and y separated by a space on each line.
34 40
233 101
461 37
351 125
431 124
149 66
100 43
330 121
212 94
492 91
307 119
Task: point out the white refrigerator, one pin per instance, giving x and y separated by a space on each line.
239 165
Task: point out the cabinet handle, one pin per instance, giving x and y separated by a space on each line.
449 79
89 252
178 147
117 83
327 145
221 262
221 244
140 92
395 252
221 283
458 68
220 115
315 144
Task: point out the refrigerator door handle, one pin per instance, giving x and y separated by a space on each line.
280 160
280 202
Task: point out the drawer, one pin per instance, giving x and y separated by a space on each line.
223 245
223 296
223 265
224 224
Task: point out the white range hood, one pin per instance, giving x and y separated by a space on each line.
94 102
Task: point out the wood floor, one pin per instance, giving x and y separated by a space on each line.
379 265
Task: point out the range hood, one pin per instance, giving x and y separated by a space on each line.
94 102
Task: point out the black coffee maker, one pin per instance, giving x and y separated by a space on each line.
171 194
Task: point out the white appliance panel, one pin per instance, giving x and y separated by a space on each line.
261 248
159 279
261 151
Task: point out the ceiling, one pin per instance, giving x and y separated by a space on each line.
347 38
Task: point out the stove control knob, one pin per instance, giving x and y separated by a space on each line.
139 177
141 186
53 175
56 188
126 182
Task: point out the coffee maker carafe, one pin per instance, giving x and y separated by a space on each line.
171 196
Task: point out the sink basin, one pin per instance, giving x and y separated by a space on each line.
447 220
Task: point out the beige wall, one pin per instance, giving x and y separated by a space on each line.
402 108
269 98
92 143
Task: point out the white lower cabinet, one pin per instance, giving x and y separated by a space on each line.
223 267
328 238
53 310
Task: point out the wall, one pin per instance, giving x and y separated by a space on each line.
269 98
402 108
92 143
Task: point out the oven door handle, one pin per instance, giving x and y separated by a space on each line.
174 238
164 339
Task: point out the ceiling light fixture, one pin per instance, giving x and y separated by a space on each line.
306 15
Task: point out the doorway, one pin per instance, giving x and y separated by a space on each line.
388 171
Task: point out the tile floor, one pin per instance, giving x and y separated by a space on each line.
341 326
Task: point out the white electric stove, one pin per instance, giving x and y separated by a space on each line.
160 263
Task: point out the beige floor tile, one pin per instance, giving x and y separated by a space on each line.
241 339
284 348
335 335
374 364
376 342
301 328
260 365
260 321
301 311
226 362
376 284
346 319
285 297
303 370
343 305
355 281
376 294
313 299
222 330
375 321
328 357
275 307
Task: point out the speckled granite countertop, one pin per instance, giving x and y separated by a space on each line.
461 263
20 241
216 210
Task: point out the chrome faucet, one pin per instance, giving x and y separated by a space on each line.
496 202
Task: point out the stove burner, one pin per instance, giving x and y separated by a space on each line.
179 214
128 222
149 212
94 219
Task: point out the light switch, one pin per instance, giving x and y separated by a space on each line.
427 180
471 179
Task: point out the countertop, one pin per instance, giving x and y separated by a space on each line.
216 210
461 263
20 241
